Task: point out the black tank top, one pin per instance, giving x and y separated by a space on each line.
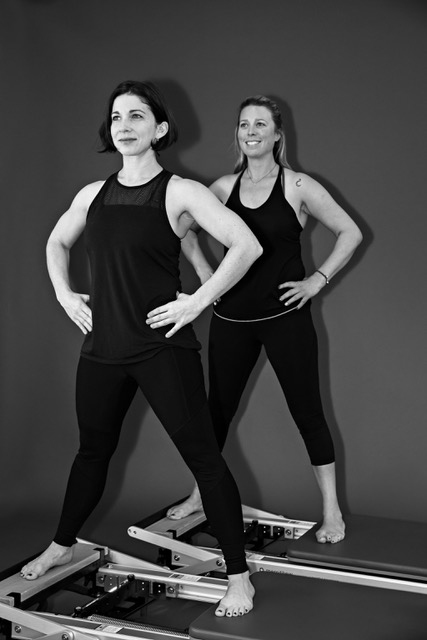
274 223
134 261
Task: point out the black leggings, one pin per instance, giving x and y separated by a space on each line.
172 382
291 345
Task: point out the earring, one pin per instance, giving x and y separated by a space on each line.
154 142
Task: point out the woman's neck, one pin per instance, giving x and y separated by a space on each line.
139 169
259 168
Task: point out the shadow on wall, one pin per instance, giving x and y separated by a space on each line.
189 129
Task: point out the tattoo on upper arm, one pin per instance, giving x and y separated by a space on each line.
298 182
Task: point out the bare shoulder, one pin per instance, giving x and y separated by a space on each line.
77 212
186 196
72 222
178 183
304 189
88 193
224 186
297 181
184 188
84 198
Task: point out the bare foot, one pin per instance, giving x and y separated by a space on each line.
239 597
186 508
54 555
332 529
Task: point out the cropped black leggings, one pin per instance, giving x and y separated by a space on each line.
172 382
290 343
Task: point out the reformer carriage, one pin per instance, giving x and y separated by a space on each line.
371 586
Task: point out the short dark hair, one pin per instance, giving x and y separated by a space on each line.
150 94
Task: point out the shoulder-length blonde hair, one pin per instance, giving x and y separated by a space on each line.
279 149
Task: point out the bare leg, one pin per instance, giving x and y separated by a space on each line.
239 597
333 527
186 508
54 556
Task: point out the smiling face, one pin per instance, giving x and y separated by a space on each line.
133 125
256 132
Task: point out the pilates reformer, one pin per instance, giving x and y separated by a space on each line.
373 585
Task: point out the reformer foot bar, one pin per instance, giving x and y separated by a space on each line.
386 554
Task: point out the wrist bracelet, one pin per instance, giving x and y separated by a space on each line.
322 274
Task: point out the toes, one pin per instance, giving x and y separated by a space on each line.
173 515
31 575
28 573
329 537
176 514
231 612
337 538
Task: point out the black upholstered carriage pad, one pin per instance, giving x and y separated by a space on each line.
373 545
291 607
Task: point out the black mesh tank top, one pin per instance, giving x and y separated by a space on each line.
134 261
274 223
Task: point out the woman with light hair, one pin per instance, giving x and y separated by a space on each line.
270 306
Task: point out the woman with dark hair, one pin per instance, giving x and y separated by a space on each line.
270 306
133 224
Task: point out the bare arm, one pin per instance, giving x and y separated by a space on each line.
188 201
65 233
190 244
191 249
229 229
314 200
317 202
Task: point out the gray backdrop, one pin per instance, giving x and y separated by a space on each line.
350 78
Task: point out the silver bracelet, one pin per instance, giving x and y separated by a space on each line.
322 274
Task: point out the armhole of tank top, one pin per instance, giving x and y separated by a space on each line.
167 175
100 193
235 187
283 180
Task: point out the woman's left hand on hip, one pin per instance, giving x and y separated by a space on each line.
178 312
301 291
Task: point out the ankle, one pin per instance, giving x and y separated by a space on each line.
235 578
59 548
